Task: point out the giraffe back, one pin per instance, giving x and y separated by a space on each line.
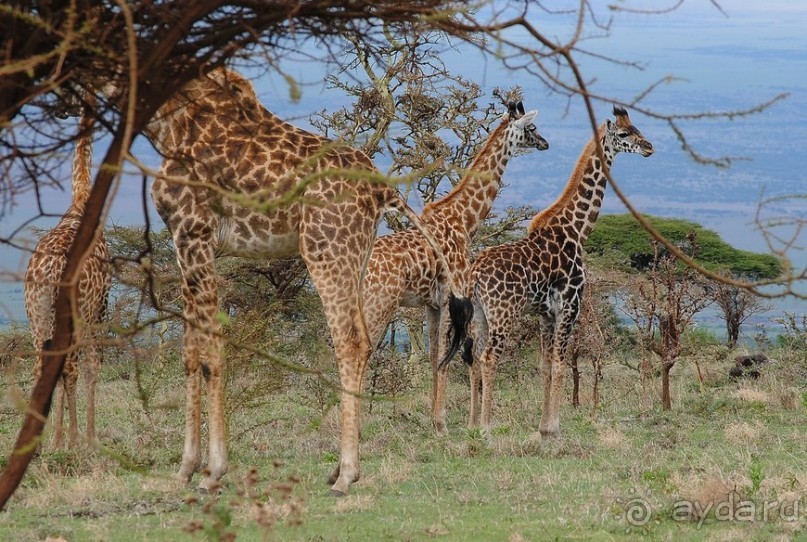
260 171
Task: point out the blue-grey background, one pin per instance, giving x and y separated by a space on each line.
722 62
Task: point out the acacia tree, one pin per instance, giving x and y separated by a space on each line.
588 340
663 304
409 111
736 306
54 50
596 333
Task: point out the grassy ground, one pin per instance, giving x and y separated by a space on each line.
728 463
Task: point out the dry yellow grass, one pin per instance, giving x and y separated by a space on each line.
741 432
790 398
612 438
753 395
354 503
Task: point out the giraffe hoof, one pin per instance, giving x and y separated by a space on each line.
337 493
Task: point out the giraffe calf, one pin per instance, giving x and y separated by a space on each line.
544 273
41 284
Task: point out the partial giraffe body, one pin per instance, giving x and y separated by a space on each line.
41 283
238 180
543 272
405 271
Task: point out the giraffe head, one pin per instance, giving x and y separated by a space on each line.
522 133
622 136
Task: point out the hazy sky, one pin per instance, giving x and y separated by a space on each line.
724 61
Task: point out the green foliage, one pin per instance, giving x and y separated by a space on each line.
793 335
621 238
659 478
755 474
700 337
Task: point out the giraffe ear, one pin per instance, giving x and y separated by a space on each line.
526 119
520 107
512 110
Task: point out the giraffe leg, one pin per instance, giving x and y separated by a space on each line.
352 352
547 336
479 334
475 375
70 385
90 367
488 363
58 419
337 274
217 464
57 408
436 327
563 333
552 425
202 357
192 450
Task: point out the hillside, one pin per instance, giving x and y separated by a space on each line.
623 237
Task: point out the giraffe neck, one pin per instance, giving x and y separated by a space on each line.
82 164
469 203
579 205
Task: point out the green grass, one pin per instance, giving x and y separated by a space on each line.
628 472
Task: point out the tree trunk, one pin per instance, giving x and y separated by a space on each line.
595 387
732 332
666 398
575 382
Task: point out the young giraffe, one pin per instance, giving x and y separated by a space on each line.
41 283
404 270
543 272
236 179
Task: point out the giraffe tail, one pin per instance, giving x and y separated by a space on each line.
461 311
468 352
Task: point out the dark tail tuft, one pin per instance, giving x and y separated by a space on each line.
460 310
468 352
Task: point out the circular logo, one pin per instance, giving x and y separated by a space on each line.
637 512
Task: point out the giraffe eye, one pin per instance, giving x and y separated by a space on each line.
622 134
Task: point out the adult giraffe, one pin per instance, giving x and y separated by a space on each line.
237 180
543 272
405 271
